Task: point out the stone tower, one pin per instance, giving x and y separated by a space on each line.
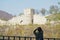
28 12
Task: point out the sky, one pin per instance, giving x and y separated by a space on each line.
15 7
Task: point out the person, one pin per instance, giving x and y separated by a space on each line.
38 33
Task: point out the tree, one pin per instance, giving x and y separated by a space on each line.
14 16
53 9
21 14
36 12
59 3
43 11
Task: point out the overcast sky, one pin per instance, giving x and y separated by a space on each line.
15 7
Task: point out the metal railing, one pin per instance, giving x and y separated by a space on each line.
23 38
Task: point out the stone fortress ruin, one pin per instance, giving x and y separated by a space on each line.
29 17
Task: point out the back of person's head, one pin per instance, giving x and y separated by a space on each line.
39 29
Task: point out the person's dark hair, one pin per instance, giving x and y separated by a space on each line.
39 29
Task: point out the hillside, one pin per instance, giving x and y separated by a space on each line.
54 17
27 30
4 15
